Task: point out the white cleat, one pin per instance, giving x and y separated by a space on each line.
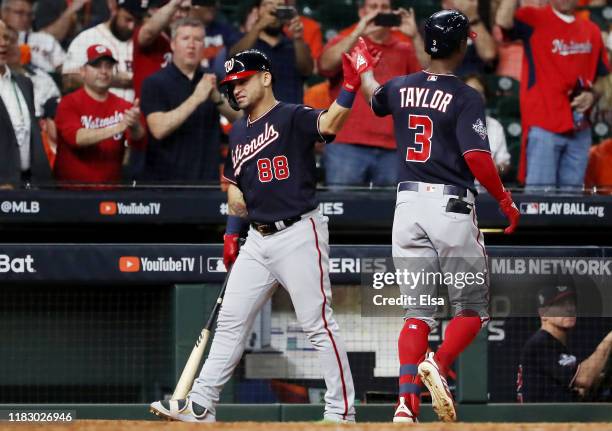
181 410
333 419
403 413
441 398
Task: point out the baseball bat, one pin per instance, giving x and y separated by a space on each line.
193 363
492 230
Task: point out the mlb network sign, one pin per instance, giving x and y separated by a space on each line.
109 208
160 264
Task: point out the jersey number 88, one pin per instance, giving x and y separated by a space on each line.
277 168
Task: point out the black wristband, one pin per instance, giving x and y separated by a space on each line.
220 102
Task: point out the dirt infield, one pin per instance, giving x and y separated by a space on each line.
91 425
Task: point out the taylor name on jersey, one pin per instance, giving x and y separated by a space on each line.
415 97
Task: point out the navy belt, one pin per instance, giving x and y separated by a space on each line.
269 228
411 186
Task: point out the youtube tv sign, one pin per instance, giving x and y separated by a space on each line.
160 264
108 208
103 263
129 264
111 208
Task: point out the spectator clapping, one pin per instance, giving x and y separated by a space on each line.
181 103
94 125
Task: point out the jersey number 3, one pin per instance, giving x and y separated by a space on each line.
277 168
422 138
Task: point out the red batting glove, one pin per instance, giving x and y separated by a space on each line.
364 59
230 249
352 81
376 56
511 212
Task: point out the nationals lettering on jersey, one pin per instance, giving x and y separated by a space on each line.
271 160
437 119
91 122
244 152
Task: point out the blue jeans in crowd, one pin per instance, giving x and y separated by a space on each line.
555 160
359 165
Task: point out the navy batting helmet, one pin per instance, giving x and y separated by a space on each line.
241 66
444 32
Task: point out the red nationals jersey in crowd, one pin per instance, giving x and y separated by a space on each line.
557 55
98 163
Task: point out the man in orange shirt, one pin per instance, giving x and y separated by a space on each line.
364 150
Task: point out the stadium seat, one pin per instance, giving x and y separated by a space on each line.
512 127
508 107
513 131
502 85
601 131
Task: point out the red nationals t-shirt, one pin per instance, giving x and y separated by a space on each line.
97 163
557 55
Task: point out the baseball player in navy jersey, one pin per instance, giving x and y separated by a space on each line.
442 145
271 168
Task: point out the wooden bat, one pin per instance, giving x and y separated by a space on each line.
193 363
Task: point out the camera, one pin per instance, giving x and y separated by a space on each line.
285 13
387 20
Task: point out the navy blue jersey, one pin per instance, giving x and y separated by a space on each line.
272 161
436 119
546 371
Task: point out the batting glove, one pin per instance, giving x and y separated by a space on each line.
230 249
364 59
352 81
511 212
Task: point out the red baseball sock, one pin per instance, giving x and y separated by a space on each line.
412 345
459 333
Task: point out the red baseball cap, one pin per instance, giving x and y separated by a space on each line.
97 52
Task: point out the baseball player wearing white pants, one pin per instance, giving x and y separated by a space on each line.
271 168
442 145
298 259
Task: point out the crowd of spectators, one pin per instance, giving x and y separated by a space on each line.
148 108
